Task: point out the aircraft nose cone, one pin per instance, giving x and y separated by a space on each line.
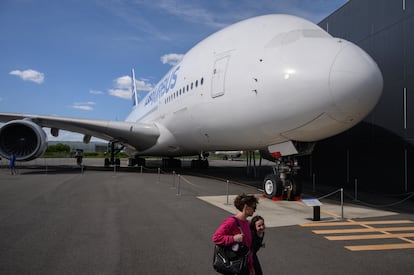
355 84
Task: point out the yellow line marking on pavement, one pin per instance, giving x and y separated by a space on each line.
363 230
369 237
379 247
330 213
368 227
354 223
387 232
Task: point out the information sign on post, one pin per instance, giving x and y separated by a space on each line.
316 204
311 202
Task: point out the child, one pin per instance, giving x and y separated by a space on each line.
257 227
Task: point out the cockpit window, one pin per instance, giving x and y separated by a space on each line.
294 35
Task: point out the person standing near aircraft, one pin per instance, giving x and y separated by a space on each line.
12 164
257 227
228 233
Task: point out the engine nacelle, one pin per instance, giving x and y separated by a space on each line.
24 138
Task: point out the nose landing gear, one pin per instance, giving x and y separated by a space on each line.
281 183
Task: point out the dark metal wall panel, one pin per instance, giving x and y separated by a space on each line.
378 152
409 71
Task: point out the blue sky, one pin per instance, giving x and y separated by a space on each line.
73 57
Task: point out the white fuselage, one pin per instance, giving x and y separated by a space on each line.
284 78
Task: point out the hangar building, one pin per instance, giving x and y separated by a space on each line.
377 153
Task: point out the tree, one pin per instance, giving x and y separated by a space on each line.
58 148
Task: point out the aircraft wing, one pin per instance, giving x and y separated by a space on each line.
138 135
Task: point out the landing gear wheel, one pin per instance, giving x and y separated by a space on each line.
272 186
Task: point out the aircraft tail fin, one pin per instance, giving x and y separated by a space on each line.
134 90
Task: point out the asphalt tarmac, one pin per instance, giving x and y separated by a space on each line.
62 221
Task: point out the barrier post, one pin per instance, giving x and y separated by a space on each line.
227 193
173 185
178 185
342 203
356 190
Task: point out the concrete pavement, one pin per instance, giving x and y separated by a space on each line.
105 222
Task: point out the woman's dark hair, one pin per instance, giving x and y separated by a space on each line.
243 199
253 222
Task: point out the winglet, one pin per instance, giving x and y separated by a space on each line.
134 90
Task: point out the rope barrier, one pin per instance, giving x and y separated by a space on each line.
409 196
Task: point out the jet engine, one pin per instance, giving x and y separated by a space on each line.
24 138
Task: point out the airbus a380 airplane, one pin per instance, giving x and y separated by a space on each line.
293 83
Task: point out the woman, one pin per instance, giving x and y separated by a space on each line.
228 233
257 227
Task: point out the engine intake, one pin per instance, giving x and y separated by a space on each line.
24 138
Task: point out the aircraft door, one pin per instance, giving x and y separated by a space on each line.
219 77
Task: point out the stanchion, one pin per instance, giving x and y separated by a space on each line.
141 169
342 199
178 185
173 185
342 203
46 166
356 190
227 193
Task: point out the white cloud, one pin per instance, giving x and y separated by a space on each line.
82 107
123 88
124 94
95 92
29 75
123 82
195 12
171 58
143 85
85 106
